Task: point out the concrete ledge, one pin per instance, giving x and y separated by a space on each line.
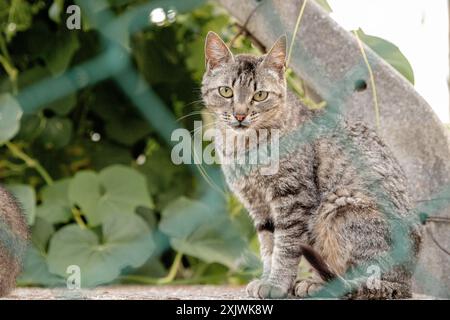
199 292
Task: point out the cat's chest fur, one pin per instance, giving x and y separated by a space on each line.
293 175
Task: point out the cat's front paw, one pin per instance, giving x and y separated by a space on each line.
262 289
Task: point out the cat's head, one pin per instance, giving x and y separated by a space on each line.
245 91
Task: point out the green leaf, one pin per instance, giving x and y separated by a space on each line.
148 215
34 74
55 207
27 199
156 54
152 268
10 115
105 154
19 18
217 22
17 15
127 242
196 65
55 10
119 116
63 105
163 177
35 271
57 133
84 191
390 53
41 233
197 230
31 126
65 44
116 189
325 5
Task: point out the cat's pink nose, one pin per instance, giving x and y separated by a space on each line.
240 117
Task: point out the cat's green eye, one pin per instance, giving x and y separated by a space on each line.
260 96
226 92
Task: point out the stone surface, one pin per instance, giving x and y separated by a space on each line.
329 59
141 293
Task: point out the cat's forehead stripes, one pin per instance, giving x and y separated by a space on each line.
246 65
246 71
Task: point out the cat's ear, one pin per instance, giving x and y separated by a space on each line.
216 51
276 57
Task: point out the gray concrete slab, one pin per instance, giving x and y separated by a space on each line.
207 292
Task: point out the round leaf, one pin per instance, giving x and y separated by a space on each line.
84 192
57 133
41 232
196 230
127 242
35 271
64 105
65 44
55 207
116 189
10 114
390 53
30 127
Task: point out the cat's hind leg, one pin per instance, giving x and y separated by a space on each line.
307 287
350 233
383 290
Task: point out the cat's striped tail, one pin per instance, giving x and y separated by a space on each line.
318 263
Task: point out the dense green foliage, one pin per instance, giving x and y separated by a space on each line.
94 177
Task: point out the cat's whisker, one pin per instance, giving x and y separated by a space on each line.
205 175
191 114
194 113
205 126
200 101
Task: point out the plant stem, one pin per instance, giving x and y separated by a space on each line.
140 279
372 80
77 216
173 270
296 84
30 162
12 166
156 281
165 280
5 61
297 27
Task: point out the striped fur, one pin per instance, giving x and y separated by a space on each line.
336 198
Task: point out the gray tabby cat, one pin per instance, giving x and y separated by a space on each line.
327 202
14 235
